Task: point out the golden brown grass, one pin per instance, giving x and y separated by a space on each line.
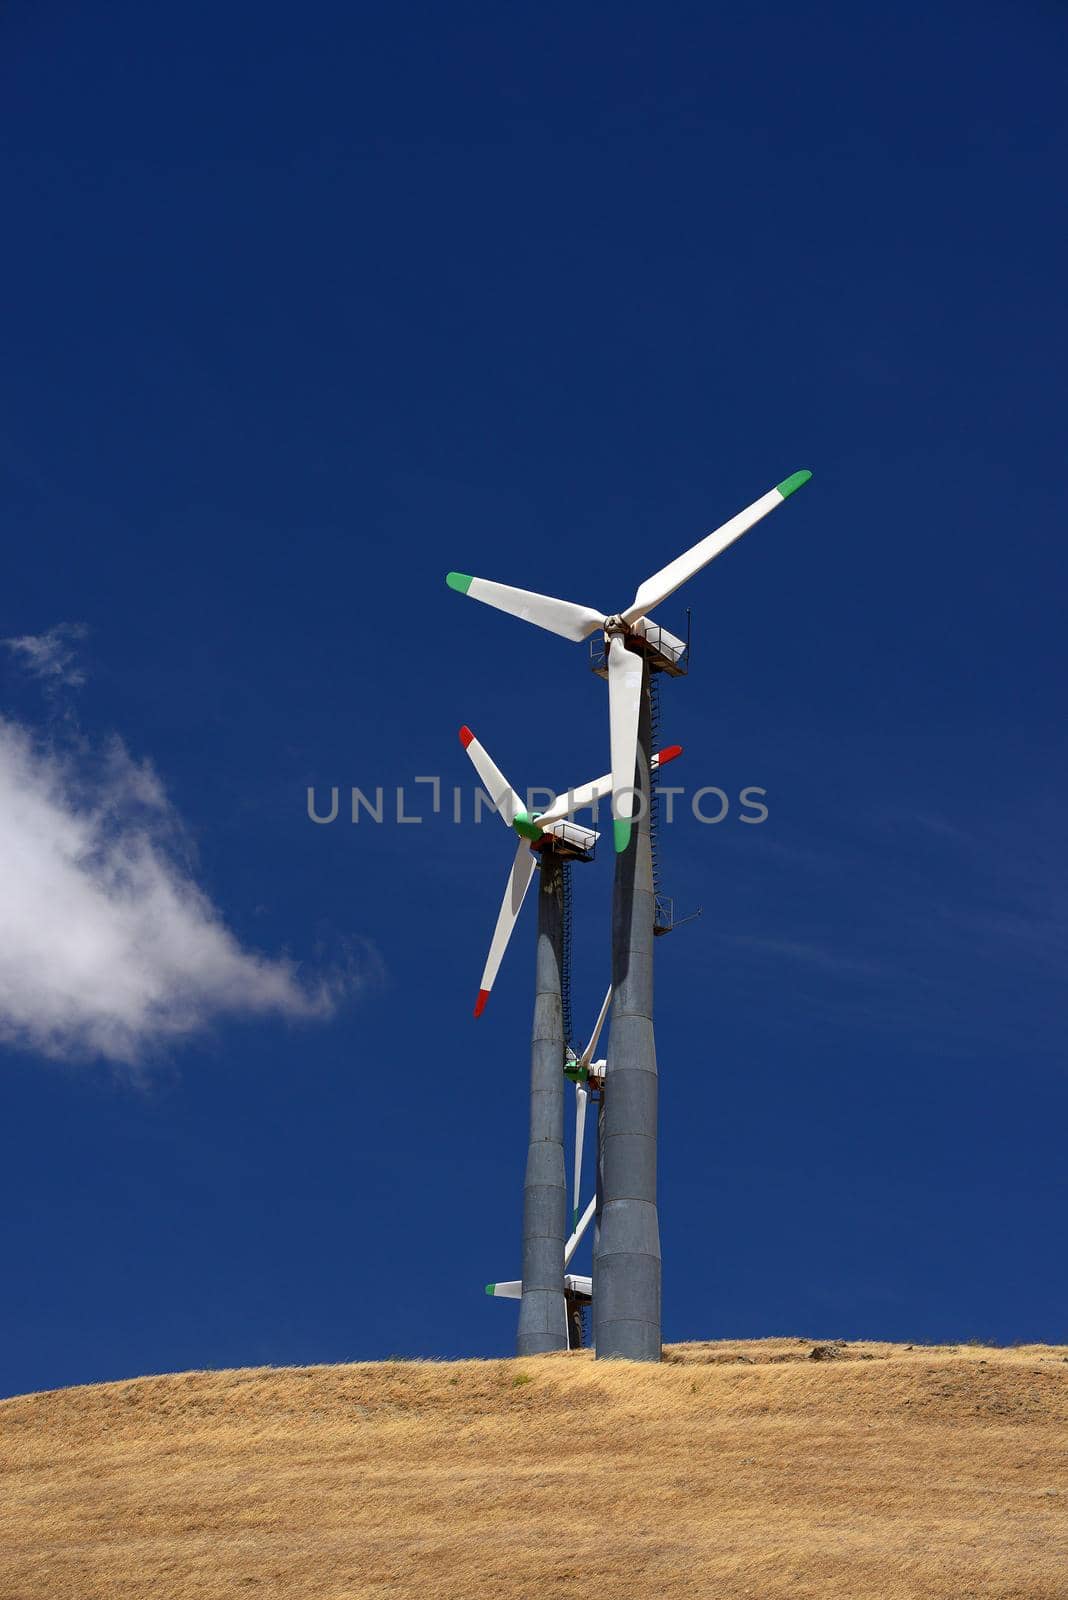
733 1469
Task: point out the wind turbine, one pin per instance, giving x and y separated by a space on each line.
627 634
578 1290
583 1071
536 830
627 1265
543 1310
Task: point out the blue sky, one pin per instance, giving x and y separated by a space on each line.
305 308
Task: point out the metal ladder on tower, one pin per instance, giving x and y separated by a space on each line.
663 914
565 974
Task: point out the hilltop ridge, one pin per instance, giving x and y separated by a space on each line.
776 1467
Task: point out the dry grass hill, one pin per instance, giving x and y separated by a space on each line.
770 1468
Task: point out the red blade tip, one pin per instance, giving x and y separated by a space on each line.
466 736
670 753
480 1003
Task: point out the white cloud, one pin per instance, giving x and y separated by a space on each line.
107 946
51 656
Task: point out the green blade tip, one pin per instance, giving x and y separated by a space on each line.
621 833
787 487
490 1288
459 581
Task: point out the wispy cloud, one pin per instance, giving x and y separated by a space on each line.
52 657
108 947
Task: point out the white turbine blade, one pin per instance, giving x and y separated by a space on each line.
500 791
588 794
663 583
565 805
587 1054
580 1128
624 701
518 884
576 1238
559 616
506 1291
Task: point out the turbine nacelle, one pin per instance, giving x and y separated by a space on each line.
592 1075
568 837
